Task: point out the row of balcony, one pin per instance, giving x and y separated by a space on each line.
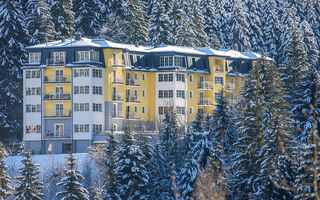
57 79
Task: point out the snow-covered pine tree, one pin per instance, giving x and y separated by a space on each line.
270 27
277 134
310 42
88 17
72 188
250 129
13 39
110 187
160 30
316 22
210 22
222 27
39 22
198 25
221 130
254 21
177 17
5 180
132 176
63 18
240 28
197 124
28 187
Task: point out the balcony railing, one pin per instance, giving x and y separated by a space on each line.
57 79
132 99
230 87
119 63
53 114
205 102
117 97
132 82
117 115
56 62
52 97
118 80
51 135
132 116
205 85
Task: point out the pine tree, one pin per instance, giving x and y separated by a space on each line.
270 28
132 177
28 187
198 25
176 28
110 187
159 30
197 123
72 188
88 14
13 39
39 22
254 21
222 27
310 42
5 180
240 28
63 18
210 22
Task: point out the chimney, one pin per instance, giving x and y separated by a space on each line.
78 36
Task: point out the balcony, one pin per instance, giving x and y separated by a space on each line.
132 99
56 62
117 97
131 82
118 81
205 102
57 79
57 114
230 87
54 97
204 85
134 116
118 64
51 135
117 115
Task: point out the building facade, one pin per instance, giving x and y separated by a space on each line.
77 90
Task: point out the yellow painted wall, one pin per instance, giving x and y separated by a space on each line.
50 72
50 89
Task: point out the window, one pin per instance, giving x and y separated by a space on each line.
232 81
181 110
81 89
81 128
57 58
165 94
163 110
59 130
144 93
34 58
114 127
33 91
143 110
97 128
81 107
97 90
171 61
97 107
216 96
218 68
180 94
33 129
33 108
191 94
218 80
136 77
191 110
144 77
136 93
32 74
97 73
191 78
165 77
180 78
136 109
82 56
115 59
81 72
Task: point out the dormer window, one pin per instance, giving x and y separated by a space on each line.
34 58
171 61
84 56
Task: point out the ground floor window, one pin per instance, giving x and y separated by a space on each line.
66 148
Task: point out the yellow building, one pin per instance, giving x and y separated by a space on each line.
77 90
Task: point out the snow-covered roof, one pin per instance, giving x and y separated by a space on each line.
101 43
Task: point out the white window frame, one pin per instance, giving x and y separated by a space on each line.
35 58
55 130
144 109
144 93
216 80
